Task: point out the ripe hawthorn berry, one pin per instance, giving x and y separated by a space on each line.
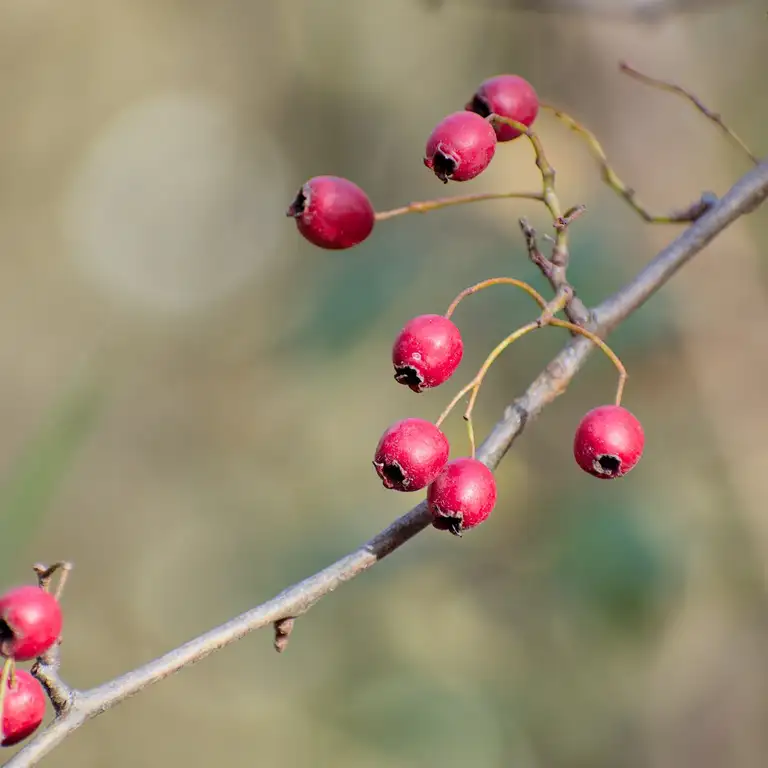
410 455
462 495
508 96
460 147
30 622
609 442
332 213
427 352
23 707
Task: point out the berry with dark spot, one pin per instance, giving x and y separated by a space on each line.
460 147
509 96
609 442
30 622
23 707
410 455
462 496
427 352
332 213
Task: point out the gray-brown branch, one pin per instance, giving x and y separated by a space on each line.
749 192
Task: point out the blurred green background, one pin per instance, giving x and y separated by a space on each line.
191 394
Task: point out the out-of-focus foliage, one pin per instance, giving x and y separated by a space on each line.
150 150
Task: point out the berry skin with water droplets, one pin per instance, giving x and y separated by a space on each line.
460 147
462 496
509 96
609 442
30 622
427 352
410 455
23 708
332 213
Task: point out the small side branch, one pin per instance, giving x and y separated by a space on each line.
555 273
665 85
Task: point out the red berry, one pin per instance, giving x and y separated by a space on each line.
462 495
332 213
508 96
30 622
461 147
23 708
426 352
609 442
410 455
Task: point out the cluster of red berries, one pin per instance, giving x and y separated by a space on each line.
30 624
334 213
413 454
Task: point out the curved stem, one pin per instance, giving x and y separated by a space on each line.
530 290
612 356
491 359
549 195
461 393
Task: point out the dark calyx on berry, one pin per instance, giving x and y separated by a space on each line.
392 474
607 464
479 106
451 523
7 638
296 208
409 376
443 166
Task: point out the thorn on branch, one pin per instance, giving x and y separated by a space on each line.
283 629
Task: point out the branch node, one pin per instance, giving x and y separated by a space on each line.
46 670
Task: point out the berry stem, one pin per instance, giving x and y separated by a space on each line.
551 200
425 206
491 359
612 356
547 317
664 85
463 391
532 292
471 434
612 179
474 385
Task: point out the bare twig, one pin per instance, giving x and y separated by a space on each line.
749 192
664 85
614 181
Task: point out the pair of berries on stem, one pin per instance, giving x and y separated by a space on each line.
413 454
30 625
334 213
